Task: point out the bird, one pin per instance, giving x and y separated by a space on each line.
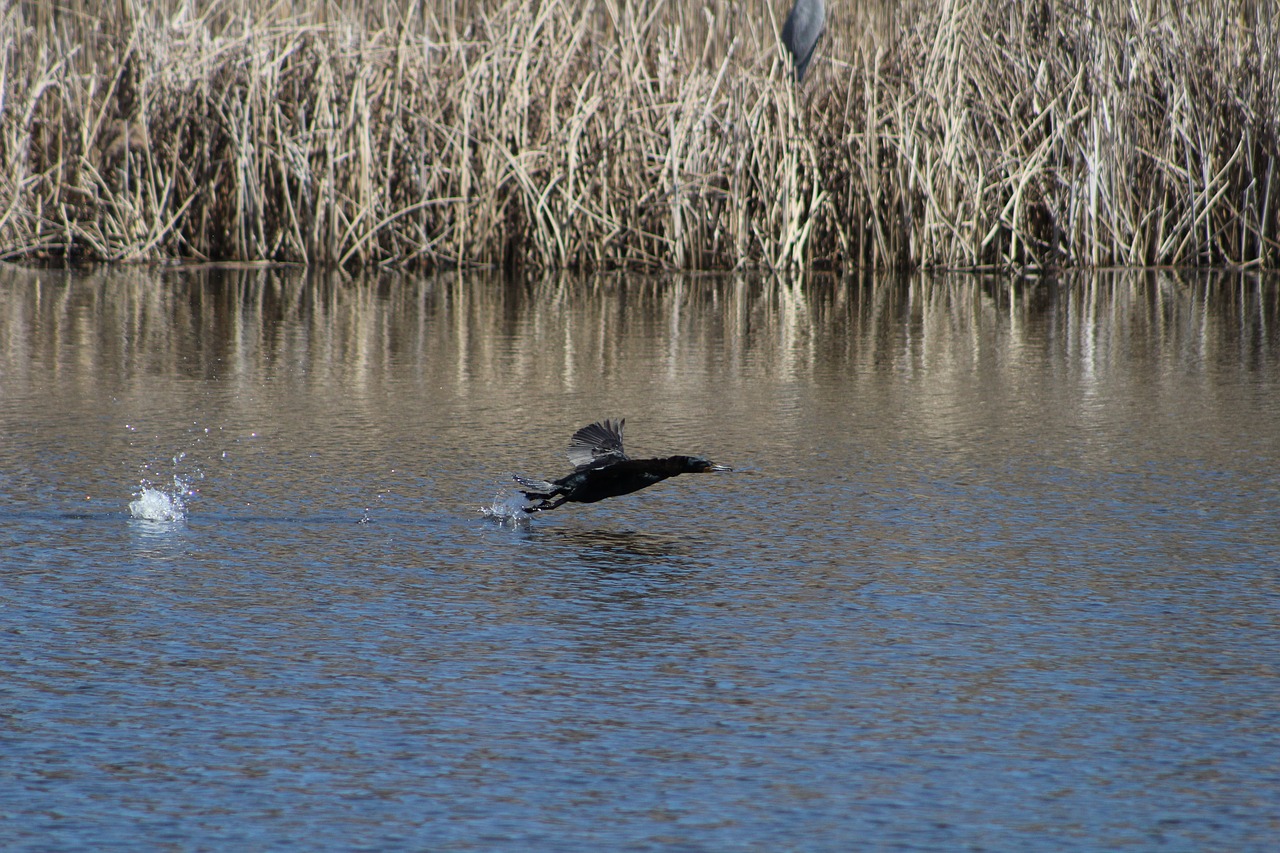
800 33
602 469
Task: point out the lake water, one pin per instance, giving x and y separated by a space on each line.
998 567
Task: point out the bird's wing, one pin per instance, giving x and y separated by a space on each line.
597 444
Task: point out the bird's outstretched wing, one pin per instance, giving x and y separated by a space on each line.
599 443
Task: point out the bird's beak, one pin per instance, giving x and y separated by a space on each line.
718 468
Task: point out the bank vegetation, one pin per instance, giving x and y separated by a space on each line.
641 133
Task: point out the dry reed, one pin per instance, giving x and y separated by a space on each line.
638 133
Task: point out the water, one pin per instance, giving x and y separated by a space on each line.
997 568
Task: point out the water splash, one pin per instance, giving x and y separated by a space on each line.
507 510
168 484
161 504
158 500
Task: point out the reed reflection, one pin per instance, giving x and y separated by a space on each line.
692 335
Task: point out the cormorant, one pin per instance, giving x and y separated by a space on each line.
602 470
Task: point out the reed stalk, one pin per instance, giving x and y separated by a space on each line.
641 133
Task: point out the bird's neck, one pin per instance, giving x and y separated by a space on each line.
671 466
667 466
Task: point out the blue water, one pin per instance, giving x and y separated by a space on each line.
995 570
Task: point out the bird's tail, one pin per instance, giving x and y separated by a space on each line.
536 489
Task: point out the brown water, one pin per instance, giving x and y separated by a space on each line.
998 567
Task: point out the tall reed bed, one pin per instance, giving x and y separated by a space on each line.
640 133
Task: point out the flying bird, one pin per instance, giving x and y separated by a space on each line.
602 469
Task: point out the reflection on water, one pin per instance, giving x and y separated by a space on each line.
997 566
248 327
610 550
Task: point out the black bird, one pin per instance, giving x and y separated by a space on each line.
602 470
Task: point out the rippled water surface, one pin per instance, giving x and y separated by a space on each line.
998 567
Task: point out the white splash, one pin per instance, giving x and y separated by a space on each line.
507 510
154 504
